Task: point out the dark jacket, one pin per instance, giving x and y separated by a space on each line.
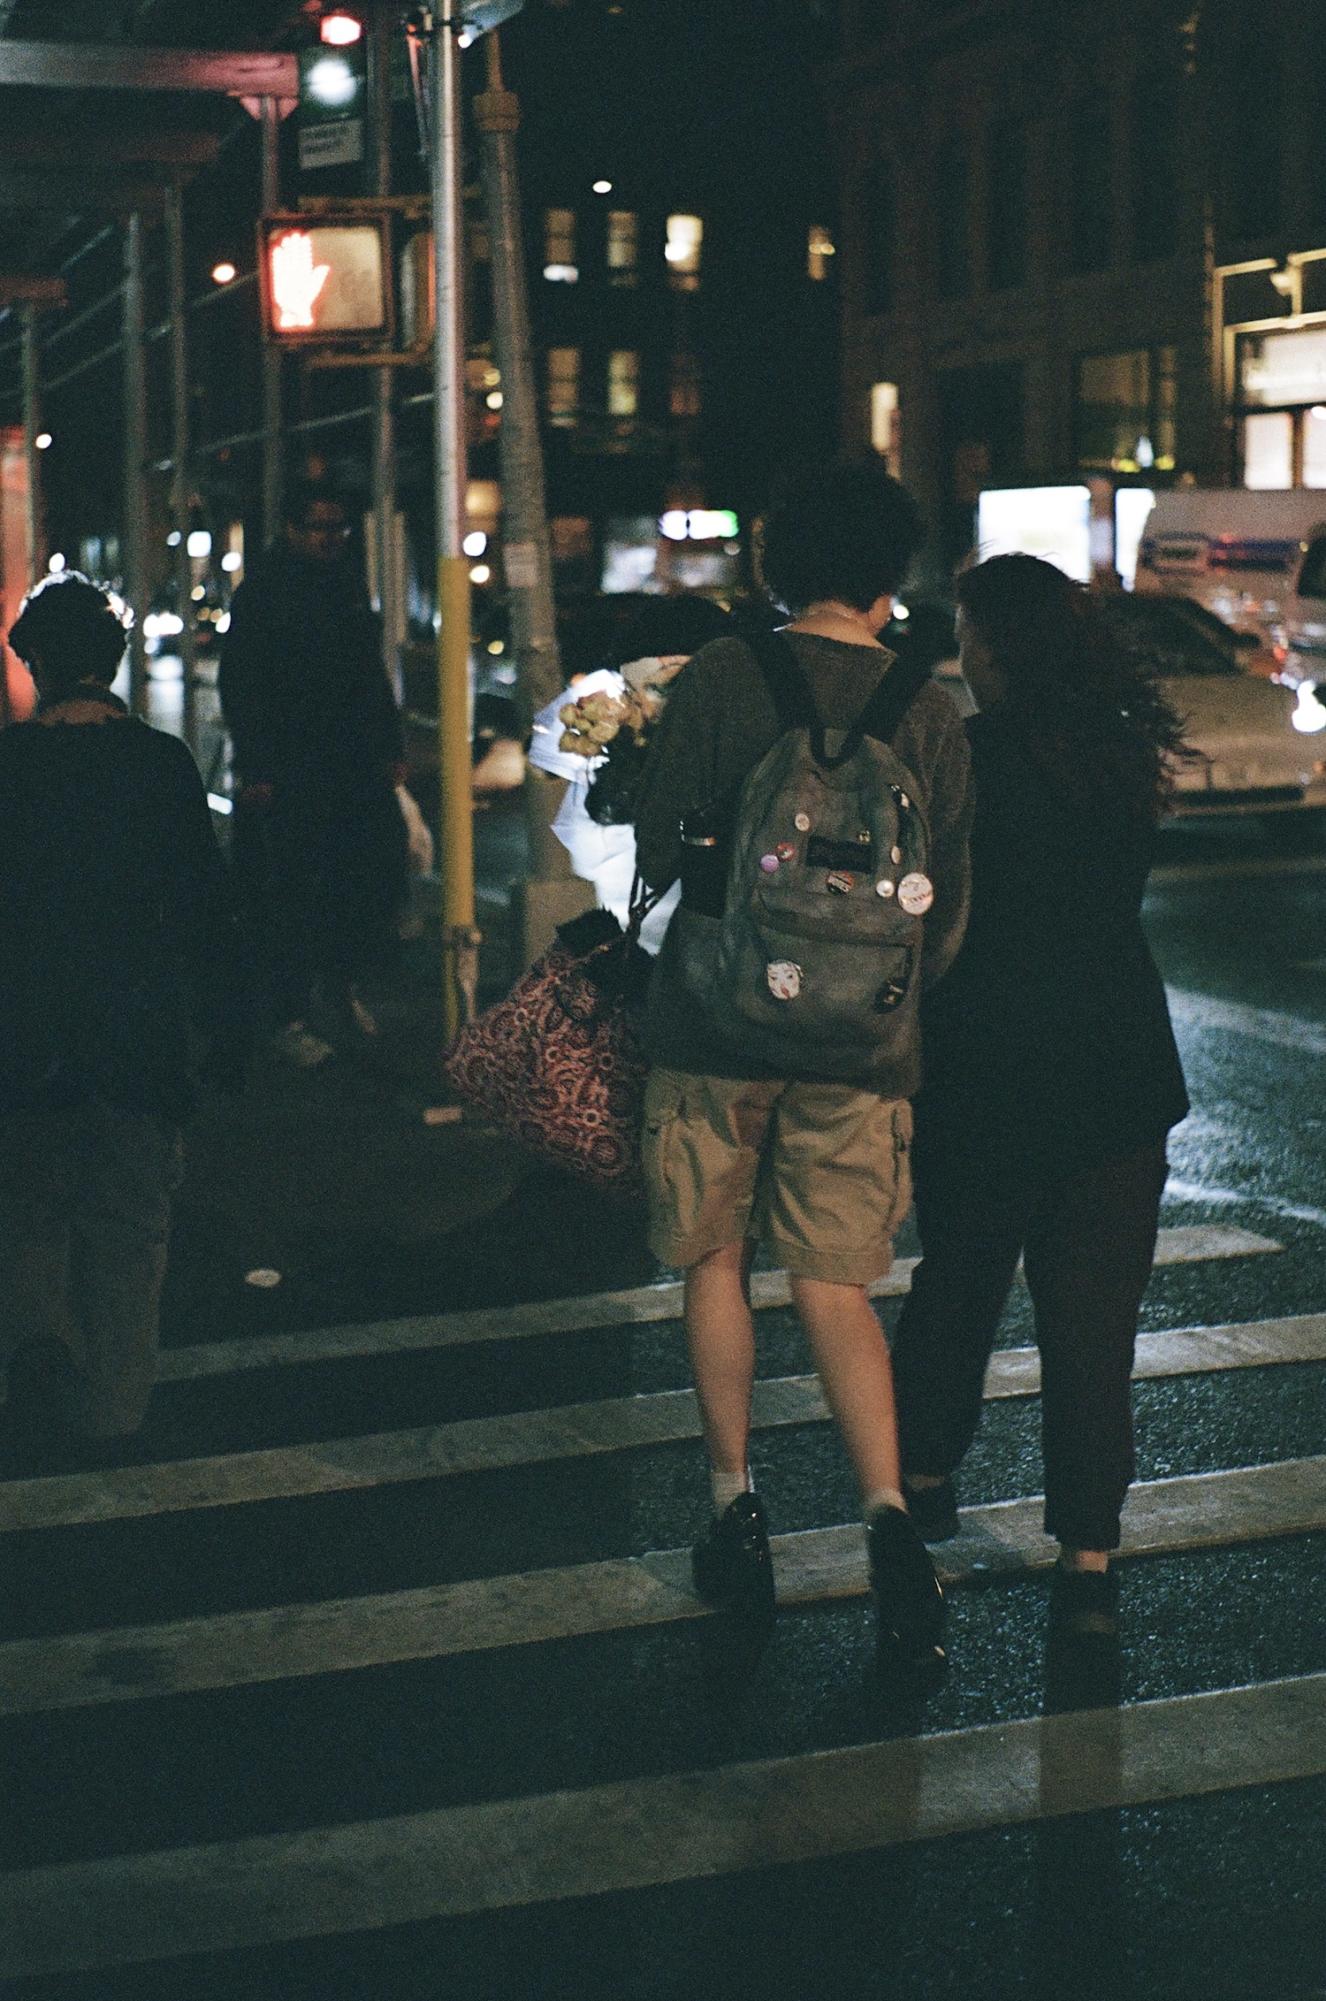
1051 1035
719 721
117 936
305 699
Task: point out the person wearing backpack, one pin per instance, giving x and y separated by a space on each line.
813 801
1052 1077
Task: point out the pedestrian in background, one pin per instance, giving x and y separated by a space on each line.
118 943
1051 1073
739 1152
319 754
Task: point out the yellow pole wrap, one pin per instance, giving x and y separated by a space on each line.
454 767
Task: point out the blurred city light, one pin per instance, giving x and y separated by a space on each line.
56 564
480 573
223 273
603 187
199 543
332 81
232 561
475 543
1310 714
42 441
340 29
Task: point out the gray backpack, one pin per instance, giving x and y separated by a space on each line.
813 965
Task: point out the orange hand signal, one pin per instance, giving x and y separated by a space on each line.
296 280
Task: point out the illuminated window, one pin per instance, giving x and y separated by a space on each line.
1126 410
1268 449
559 245
684 385
562 392
623 246
820 248
682 250
884 422
623 382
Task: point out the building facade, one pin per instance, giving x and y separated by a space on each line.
1055 214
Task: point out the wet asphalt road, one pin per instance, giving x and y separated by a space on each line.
1189 1889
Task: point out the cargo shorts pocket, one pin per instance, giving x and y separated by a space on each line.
900 1139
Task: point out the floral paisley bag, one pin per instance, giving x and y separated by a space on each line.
559 1063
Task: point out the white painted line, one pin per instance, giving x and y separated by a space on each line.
1276 1205
566 1431
629 1835
1190 1244
1173 875
1263 1024
476 1615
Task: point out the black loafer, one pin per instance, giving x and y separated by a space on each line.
934 1510
731 1563
909 1604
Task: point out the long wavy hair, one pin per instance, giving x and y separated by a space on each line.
1095 721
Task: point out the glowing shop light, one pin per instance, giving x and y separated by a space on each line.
673 524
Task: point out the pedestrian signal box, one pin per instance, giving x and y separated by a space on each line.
326 281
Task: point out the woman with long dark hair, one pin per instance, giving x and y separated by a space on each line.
1052 1077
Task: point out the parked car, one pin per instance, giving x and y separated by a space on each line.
1261 744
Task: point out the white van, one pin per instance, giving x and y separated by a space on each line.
1247 556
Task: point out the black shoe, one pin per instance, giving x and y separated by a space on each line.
731 1562
1085 1603
908 1602
934 1510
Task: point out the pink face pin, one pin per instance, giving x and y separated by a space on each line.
916 893
769 863
784 979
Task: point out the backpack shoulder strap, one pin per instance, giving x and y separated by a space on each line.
786 681
894 694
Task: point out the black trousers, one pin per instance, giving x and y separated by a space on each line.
1088 1238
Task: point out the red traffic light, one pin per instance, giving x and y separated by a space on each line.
340 29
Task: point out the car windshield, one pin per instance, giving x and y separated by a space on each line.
1165 642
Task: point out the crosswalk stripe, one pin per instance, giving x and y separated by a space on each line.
276 1643
567 1431
1263 1024
681 1827
1171 875
638 1306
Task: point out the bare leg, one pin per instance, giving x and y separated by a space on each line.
720 1333
852 1358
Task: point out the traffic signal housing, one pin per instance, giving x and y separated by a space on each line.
326 281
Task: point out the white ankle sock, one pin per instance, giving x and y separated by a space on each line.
882 1497
727 1486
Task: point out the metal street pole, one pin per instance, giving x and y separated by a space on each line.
180 484
552 894
270 117
31 432
460 939
384 412
133 537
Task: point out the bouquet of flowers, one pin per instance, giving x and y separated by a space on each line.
614 731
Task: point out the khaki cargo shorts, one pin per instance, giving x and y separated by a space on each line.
820 1173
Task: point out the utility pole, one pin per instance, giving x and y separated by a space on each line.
180 485
133 524
460 939
384 413
36 524
552 894
269 113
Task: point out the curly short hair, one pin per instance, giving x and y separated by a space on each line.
74 628
847 530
